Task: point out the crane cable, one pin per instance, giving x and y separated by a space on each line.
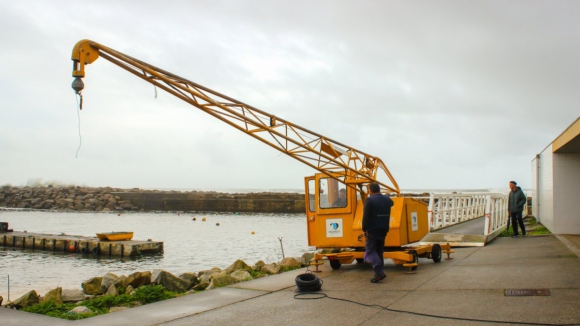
315 295
80 107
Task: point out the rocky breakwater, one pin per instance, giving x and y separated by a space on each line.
107 199
110 292
72 198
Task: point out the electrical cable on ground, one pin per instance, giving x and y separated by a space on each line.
304 294
80 107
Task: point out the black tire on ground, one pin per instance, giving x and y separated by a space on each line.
360 260
308 283
436 253
415 258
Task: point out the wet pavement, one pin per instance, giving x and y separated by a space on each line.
467 290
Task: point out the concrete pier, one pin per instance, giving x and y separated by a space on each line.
79 244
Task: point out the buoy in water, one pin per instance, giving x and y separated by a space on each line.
194 219
72 249
203 219
253 232
119 214
217 224
178 214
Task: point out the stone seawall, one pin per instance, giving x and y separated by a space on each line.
216 202
107 199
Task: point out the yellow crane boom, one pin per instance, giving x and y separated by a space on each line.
337 160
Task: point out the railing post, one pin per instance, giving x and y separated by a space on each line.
488 211
430 211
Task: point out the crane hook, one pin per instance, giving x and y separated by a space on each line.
78 85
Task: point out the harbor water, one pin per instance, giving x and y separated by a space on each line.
189 246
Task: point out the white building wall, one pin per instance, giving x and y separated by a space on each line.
545 193
566 193
534 193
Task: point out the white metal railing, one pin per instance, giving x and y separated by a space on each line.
496 213
449 209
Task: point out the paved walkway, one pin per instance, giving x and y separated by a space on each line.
464 291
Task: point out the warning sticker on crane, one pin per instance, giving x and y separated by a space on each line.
334 228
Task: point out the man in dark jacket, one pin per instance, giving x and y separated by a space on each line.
375 225
516 202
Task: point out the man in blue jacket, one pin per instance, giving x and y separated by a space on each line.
375 225
516 202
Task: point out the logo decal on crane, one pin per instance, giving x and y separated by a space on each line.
334 228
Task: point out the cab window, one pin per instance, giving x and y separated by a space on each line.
311 195
332 193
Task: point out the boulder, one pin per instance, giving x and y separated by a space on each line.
190 278
241 275
72 295
112 291
259 265
129 289
115 309
222 279
36 201
204 282
27 300
306 258
93 286
108 280
290 263
211 286
138 279
209 271
238 265
169 281
55 295
81 310
271 268
122 281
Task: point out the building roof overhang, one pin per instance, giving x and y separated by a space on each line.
569 140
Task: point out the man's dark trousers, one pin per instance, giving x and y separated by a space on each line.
517 219
375 247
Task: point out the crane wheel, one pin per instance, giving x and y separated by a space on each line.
335 264
436 253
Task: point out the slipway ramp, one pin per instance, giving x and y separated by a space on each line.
466 220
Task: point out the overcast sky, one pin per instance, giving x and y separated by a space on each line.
449 94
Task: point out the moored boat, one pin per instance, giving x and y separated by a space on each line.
115 236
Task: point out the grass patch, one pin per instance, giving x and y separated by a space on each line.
101 305
285 269
540 229
532 228
58 310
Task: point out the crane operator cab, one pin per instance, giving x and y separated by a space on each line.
334 212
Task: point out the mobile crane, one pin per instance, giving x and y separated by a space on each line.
334 220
